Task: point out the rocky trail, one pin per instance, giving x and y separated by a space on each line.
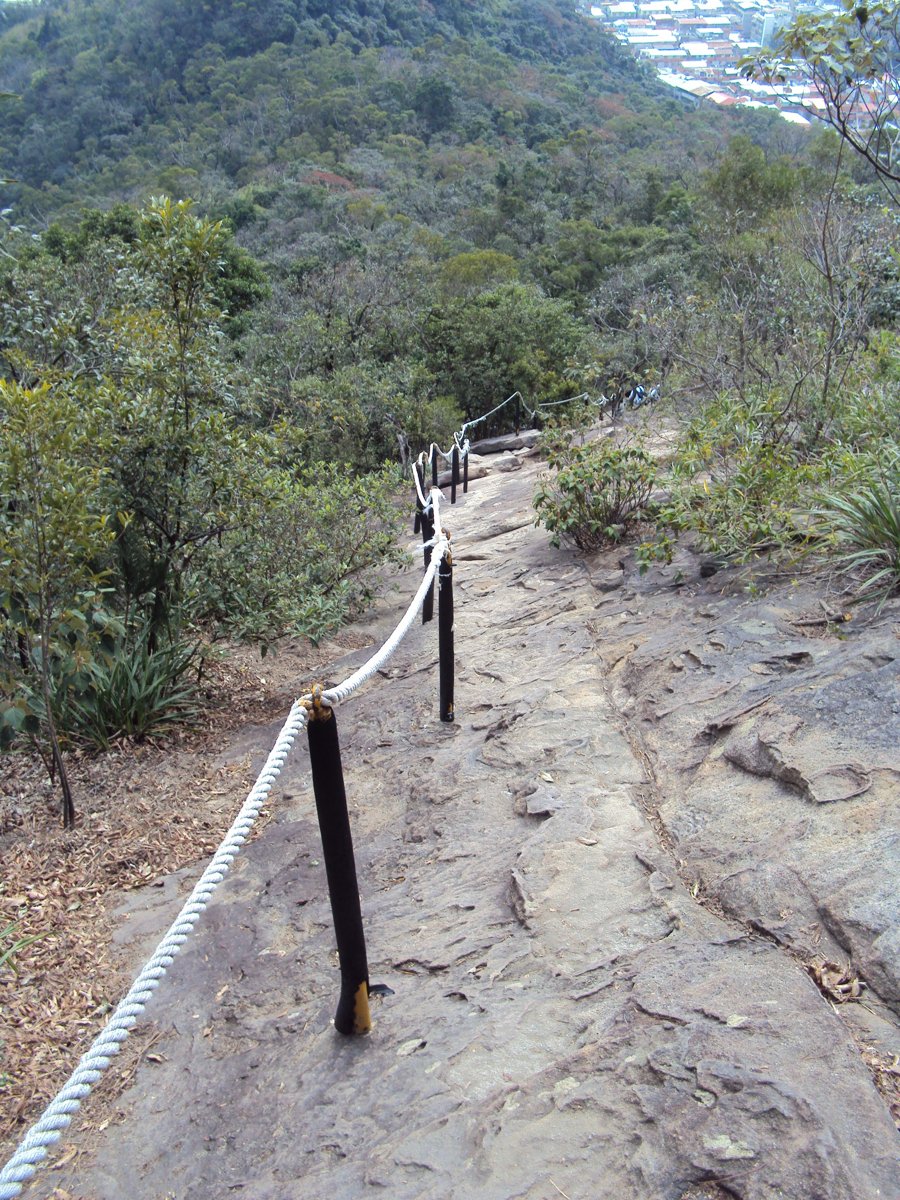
605 901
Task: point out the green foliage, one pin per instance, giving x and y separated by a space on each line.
271 80
598 493
511 339
580 256
52 534
476 271
737 484
865 525
745 186
139 496
365 415
12 942
435 206
177 461
850 55
305 557
130 692
742 485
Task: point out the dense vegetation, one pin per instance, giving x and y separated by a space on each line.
257 253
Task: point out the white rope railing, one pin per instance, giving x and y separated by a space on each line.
355 681
635 398
49 1127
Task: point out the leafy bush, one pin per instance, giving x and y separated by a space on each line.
86 637
737 483
367 415
866 525
305 555
133 692
511 339
598 492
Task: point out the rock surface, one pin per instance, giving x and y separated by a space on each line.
570 1014
507 441
791 721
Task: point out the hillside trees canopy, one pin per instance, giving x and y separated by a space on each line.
139 490
370 223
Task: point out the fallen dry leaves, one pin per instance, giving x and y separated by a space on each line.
145 810
838 983
842 984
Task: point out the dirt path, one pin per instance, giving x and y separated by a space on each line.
571 1013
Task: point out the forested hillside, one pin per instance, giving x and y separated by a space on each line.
212 94
255 251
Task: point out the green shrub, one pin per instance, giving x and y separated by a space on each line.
598 492
134 692
305 555
865 525
738 483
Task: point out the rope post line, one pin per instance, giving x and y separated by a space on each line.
49 1127
419 490
454 473
352 1014
428 536
445 636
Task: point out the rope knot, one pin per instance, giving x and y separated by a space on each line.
318 710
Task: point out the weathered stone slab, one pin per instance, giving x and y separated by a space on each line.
507 462
778 754
566 1015
525 439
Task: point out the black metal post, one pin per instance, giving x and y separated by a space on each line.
337 846
434 466
454 473
518 417
445 636
465 472
420 476
427 535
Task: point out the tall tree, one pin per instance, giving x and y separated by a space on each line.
51 537
852 58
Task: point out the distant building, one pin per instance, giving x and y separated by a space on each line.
696 45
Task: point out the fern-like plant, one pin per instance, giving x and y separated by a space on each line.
136 693
866 526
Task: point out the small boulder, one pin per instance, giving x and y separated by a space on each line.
478 468
506 462
507 441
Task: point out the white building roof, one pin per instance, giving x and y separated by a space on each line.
661 7
652 37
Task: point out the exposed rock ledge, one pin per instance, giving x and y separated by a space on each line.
564 906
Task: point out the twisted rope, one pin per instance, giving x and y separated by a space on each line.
355 681
461 438
529 412
48 1129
